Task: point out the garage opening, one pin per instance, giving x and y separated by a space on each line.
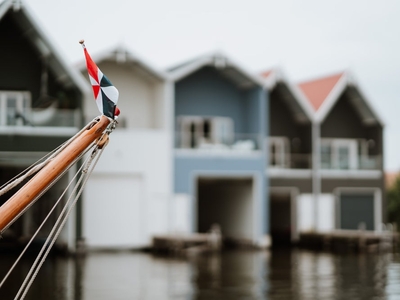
357 209
227 202
281 219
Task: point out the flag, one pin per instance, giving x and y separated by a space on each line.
105 94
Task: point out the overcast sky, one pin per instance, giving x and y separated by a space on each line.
306 38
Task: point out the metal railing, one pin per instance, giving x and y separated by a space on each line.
290 161
371 162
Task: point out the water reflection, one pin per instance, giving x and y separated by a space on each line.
279 274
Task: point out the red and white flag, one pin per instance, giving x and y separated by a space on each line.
105 94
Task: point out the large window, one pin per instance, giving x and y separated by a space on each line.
14 108
198 131
339 154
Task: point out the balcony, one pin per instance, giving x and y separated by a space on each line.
228 143
348 154
330 162
51 121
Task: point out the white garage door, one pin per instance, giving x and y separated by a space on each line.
114 211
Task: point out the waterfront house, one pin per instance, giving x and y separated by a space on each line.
126 200
348 185
220 113
40 108
289 146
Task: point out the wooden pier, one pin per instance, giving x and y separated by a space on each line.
187 243
350 241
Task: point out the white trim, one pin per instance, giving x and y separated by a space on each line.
75 76
131 57
357 190
289 173
293 192
190 68
331 99
350 174
345 80
281 153
209 59
4 7
368 103
277 75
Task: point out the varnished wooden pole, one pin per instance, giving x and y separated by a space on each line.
21 199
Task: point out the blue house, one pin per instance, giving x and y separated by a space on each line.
220 113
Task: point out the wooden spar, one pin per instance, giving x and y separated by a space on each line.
27 194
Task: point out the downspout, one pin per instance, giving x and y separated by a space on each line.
264 130
316 174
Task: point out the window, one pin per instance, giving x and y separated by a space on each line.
198 131
339 154
14 108
279 152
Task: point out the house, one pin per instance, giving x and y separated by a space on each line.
40 108
348 187
136 166
290 150
325 157
219 159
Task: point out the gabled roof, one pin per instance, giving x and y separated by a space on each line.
318 90
323 93
64 73
120 54
229 68
296 101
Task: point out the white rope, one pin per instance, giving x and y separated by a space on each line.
36 167
55 152
40 227
59 224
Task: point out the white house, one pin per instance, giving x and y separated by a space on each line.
126 199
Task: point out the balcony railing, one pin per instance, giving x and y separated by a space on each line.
41 118
290 161
356 163
233 142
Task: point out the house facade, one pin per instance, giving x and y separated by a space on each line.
137 163
40 108
290 147
348 171
219 159
325 157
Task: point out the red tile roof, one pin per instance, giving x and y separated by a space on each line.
318 90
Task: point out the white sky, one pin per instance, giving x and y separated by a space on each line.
307 39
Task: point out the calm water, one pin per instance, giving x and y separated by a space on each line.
278 274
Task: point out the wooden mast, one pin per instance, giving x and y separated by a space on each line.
27 194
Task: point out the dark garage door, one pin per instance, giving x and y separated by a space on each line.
356 208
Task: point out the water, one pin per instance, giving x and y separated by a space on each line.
277 274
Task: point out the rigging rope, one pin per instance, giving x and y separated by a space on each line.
86 172
51 156
35 167
40 227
